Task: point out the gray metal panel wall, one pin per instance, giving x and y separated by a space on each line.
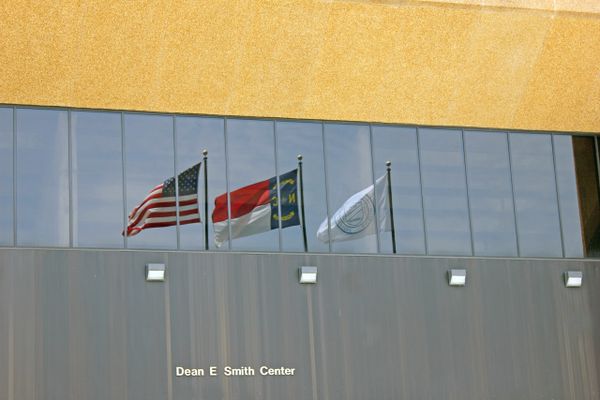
84 324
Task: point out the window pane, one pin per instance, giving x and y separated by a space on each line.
42 178
149 162
567 191
194 135
490 194
348 161
304 138
399 145
251 159
6 176
535 195
97 179
444 192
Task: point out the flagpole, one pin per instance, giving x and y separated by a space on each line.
388 164
302 202
205 154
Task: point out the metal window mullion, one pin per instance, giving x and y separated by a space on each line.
277 186
421 187
124 177
14 175
464 151
70 174
227 182
378 242
512 185
176 178
562 239
326 186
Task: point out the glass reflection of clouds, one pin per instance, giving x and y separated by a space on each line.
195 134
444 192
490 194
6 176
348 162
251 158
567 189
399 145
42 178
149 156
304 138
97 179
535 195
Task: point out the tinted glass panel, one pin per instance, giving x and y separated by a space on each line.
304 138
42 178
348 161
444 192
6 176
399 145
251 160
490 194
97 179
568 199
538 227
149 162
193 136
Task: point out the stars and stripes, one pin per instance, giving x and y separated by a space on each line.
158 209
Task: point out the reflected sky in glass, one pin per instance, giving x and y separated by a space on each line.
444 192
97 179
251 158
490 193
399 145
42 178
538 228
304 138
567 190
149 162
195 134
6 176
348 163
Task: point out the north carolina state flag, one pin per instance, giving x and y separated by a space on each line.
254 208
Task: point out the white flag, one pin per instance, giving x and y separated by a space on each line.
356 217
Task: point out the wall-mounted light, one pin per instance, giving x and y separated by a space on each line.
573 278
307 274
155 272
457 277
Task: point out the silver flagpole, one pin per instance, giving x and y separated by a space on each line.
388 164
205 154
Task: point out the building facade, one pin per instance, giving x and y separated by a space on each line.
488 114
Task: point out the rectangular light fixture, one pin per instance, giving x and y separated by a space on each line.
307 274
457 277
573 278
155 272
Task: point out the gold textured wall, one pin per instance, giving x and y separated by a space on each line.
509 64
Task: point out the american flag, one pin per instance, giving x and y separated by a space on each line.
158 208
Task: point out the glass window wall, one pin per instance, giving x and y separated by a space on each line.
149 161
455 192
306 139
538 226
97 179
194 134
251 160
6 176
349 171
399 146
490 194
444 192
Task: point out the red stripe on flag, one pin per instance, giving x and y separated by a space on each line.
243 201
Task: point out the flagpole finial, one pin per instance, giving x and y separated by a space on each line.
299 157
388 163
204 152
